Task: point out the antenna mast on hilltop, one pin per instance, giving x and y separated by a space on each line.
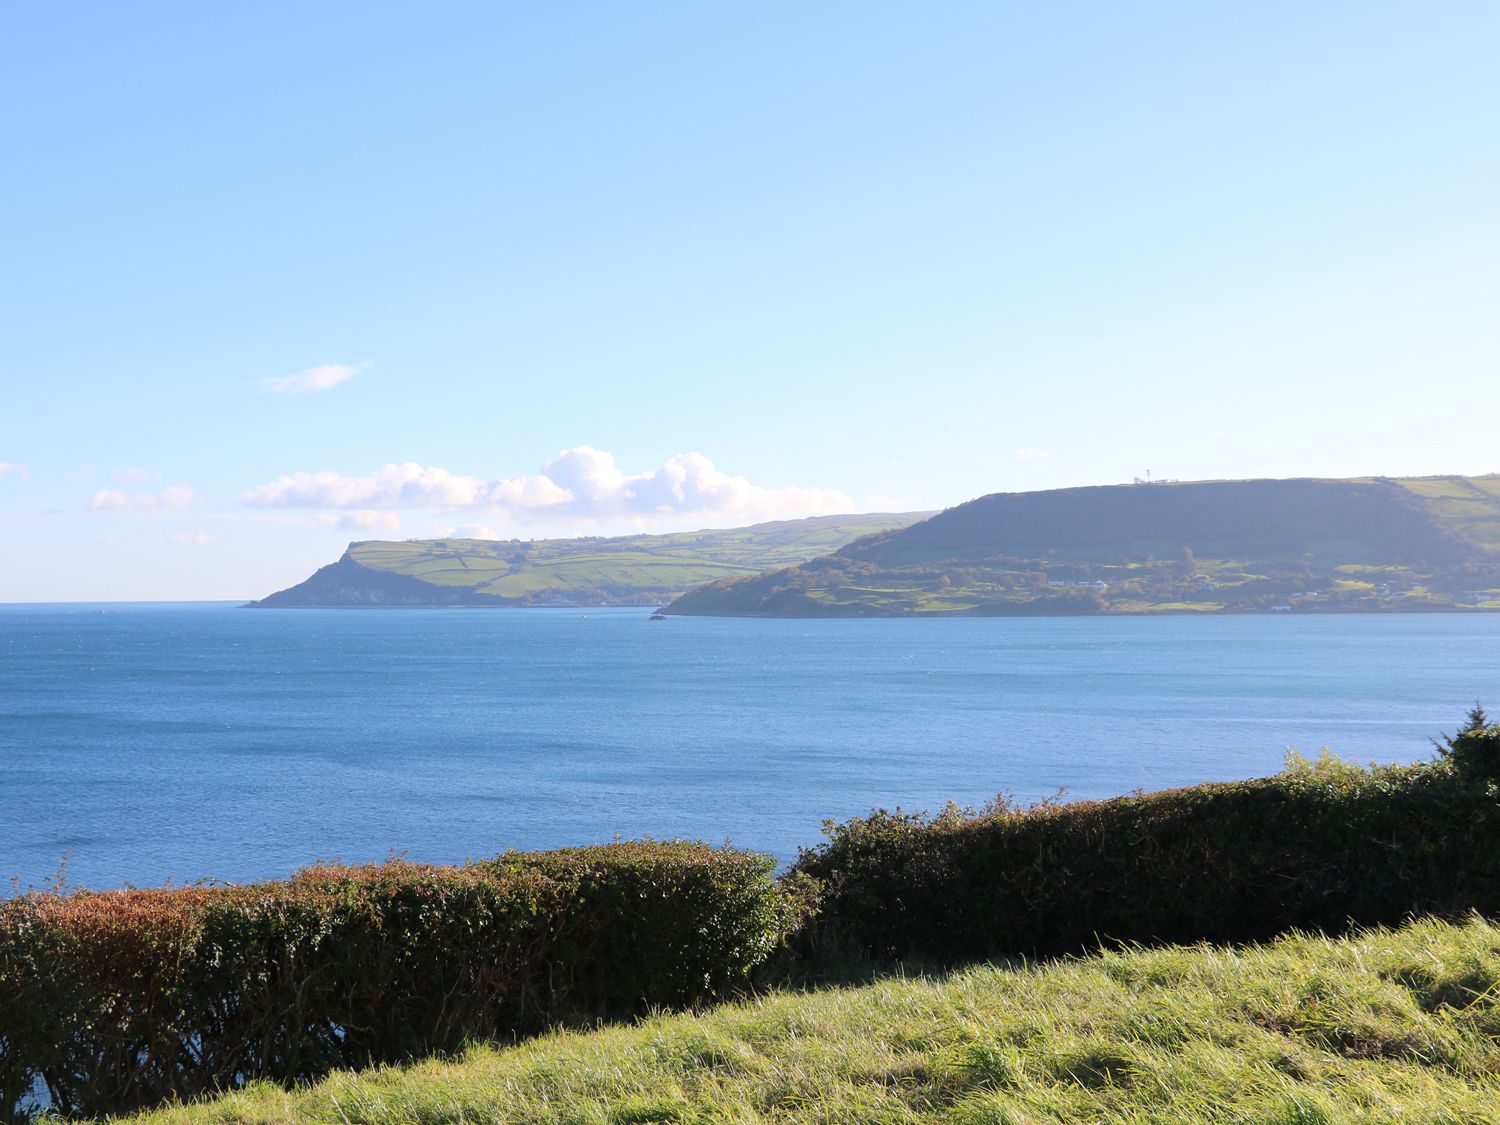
1148 479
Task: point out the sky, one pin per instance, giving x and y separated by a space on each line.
278 276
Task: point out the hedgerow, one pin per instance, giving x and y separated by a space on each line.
1322 845
124 999
119 1000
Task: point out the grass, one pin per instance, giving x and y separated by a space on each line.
581 567
587 572
1385 1026
1469 504
989 561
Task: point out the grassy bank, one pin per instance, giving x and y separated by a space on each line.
1388 1025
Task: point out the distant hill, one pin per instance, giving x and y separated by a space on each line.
1224 546
624 570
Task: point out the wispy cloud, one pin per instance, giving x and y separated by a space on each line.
321 378
395 486
581 483
1033 455
12 469
112 500
191 538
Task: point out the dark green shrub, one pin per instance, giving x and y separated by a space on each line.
670 923
1323 845
1475 749
124 999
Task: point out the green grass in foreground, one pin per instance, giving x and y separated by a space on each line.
1390 1026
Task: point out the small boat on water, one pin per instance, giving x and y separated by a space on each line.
658 616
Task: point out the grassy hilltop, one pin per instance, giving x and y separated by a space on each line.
622 570
1228 546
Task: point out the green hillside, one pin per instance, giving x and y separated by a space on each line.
1385 1026
1469 505
622 570
1205 547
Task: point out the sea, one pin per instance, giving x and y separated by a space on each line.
146 744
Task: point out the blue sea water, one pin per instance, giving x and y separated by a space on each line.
154 742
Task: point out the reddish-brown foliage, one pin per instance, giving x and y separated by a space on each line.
121 999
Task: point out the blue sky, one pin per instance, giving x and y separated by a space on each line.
278 276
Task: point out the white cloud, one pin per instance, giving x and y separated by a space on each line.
321 378
112 500
368 520
473 531
581 483
395 486
1033 454
10 468
133 476
191 538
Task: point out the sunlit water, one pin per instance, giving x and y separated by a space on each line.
190 741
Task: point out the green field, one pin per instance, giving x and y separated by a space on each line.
1365 545
1386 1026
631 569
1469 504
1362 545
